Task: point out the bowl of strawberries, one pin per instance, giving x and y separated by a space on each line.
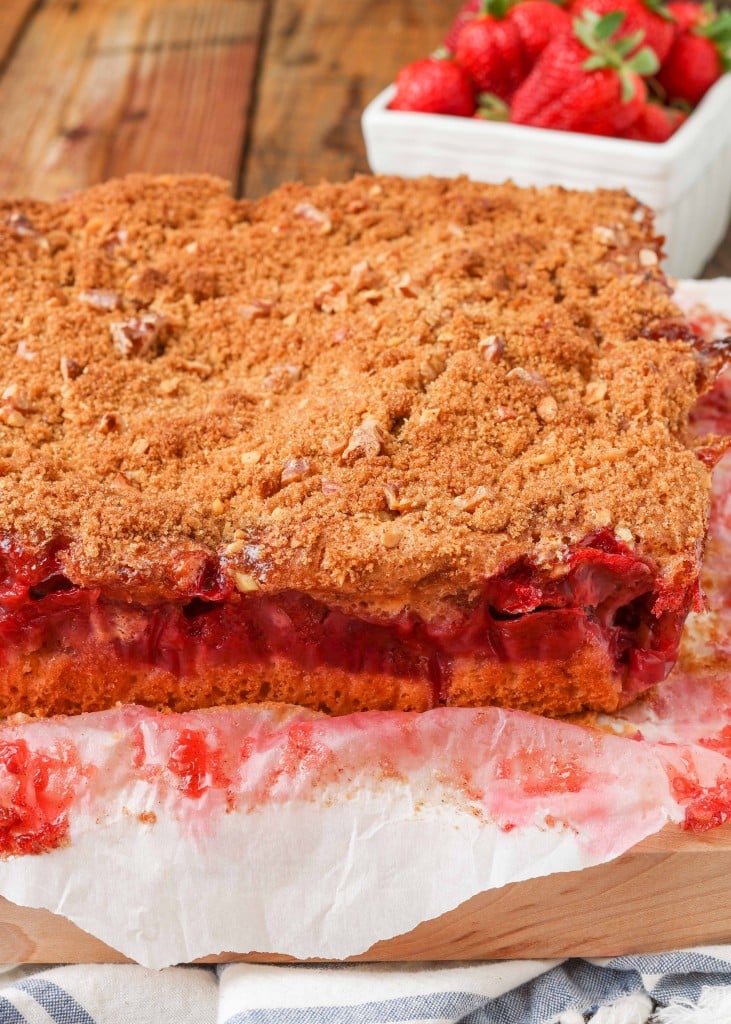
585 94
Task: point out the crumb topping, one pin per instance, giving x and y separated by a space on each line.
363 391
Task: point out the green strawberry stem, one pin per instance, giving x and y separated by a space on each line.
596 34
682 105
491 108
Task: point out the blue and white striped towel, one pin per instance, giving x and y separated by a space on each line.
687 987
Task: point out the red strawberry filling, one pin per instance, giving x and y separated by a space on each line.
609 597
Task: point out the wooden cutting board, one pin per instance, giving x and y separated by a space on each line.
669 892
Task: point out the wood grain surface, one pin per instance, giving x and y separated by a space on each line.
97 89
322 64
13 16
668 892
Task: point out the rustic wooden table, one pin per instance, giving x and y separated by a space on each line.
257 91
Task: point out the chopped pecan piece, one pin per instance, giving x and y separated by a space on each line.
140 336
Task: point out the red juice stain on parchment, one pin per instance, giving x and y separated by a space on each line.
206 763
196 763
295 763
709 809
504 767
137 743
303 751
256 759
720 743
706 807
462 779
168 753
542 773
37 789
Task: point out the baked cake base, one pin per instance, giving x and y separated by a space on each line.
591 638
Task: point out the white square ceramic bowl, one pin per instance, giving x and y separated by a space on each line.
686 181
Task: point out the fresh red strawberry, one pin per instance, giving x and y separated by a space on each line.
686 14
655 123
697 59
586 81
647 16
466 13
538 22
691 69
500 44
434 86
491 52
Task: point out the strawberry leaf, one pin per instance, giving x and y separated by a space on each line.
658 7
585 29
608 24
495 8
605 52
626 44
584 34
644 62
718 30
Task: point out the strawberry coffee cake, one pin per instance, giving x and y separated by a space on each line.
384 444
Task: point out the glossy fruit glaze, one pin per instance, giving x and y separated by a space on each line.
609 597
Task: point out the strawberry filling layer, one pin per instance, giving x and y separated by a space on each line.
609 597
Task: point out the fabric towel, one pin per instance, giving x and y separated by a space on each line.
686 987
